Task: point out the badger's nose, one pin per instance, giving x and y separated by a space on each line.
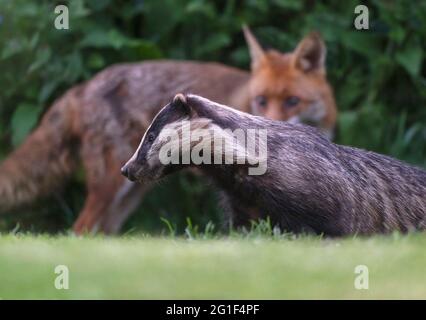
125 171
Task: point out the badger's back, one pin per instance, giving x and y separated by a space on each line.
337 189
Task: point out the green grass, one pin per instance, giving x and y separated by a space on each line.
238 266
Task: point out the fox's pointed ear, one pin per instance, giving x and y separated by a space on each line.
182 104
310 54
256 51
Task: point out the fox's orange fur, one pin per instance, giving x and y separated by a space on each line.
99 122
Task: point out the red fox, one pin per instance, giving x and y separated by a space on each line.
99 122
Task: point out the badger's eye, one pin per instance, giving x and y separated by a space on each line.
261 101
291 101
151 137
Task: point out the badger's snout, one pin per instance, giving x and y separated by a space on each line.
128 172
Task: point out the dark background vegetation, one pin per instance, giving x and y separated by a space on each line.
378 76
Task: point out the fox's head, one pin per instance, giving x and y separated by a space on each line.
292 86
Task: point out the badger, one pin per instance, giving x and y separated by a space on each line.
293 175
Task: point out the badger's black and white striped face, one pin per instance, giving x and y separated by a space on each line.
145 162
192 130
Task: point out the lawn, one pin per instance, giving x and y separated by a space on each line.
141 267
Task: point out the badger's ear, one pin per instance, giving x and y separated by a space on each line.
257 54
179 99
181 104
310 54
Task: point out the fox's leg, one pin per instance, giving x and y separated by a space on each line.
97 203
125 202
110 197
107 207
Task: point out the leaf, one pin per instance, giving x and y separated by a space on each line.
411 59
101 39
200 8
34 41
47 90
411 133
96 61
28 10
214 43
364 43
74 68
42 57
96 38
144 49
12 48
397 34
98 5
289 4
23 120
117 39
77 9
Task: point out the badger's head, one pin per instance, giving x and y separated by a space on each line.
146 162
188 131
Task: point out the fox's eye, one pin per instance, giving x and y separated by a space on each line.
261 101
291 101
151 137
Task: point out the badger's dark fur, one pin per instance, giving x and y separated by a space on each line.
310 183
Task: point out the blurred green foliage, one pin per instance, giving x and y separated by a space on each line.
378 74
